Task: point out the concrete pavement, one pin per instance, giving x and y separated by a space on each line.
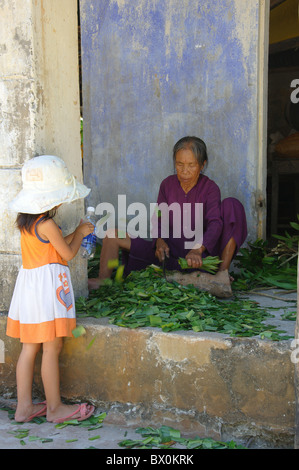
49 436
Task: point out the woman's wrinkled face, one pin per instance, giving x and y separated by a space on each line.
187 167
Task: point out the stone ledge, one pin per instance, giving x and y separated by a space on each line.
206 383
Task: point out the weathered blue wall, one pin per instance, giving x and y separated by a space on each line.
156 70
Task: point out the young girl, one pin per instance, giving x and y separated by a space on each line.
42 309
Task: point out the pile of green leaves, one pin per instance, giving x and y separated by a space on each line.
166 437
22 433
92 423
262 266
146 298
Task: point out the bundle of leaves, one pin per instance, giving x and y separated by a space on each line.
210 264
146 298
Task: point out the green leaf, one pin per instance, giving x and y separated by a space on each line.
294 225
94 438
155 320
169 432
79 331
268 260
112 263
119 273
90 344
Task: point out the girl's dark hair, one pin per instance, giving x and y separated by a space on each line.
196 145
25 222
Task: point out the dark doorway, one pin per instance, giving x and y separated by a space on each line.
283 123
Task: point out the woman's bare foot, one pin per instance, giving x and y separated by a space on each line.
231 279
95 283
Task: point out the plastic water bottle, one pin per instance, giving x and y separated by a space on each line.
88 245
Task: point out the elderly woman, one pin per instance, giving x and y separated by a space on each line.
224 223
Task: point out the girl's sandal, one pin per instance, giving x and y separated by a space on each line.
41 412
85 411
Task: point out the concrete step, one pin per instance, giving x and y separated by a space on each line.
205 384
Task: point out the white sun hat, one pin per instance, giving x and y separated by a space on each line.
46 184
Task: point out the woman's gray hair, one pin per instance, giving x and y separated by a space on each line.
196 145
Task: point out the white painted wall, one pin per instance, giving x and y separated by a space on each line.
39 113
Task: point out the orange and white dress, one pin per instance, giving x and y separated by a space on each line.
42 306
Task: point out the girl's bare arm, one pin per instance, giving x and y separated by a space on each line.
66 247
